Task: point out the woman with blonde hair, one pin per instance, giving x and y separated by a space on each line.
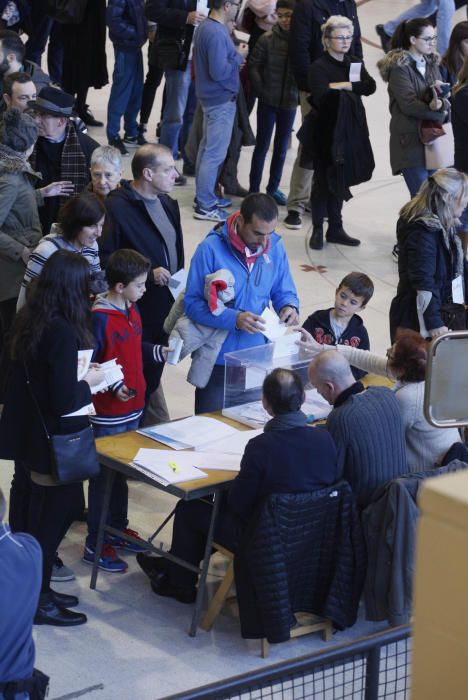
431 264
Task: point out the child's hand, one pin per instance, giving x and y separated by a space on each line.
124 393
164 352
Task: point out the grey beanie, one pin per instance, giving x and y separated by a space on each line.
18 131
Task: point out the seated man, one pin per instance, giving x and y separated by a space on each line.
289 457
20 583
366 425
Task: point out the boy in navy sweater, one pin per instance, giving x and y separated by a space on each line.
117 330
341 325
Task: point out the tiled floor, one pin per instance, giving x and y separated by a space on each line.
135 644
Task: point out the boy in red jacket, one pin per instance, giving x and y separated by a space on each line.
117 331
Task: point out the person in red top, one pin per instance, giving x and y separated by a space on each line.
118 334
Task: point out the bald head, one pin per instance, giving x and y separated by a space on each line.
283 392
331 374
153 170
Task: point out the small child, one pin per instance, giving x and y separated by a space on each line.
272 81
117 331
341 325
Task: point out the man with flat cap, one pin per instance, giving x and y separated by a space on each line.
62 152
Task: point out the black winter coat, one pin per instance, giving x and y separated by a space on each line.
84 61
128 225
270 71
460 128
301 553
171 47
127 26
305 35
52 372
425 263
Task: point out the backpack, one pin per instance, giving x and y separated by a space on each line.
66 11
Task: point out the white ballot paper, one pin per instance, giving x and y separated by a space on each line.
177 283
274 328
458 293
286 345
234 445
355 72
189 432
112 374
166 467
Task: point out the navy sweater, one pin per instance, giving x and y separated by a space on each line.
217 64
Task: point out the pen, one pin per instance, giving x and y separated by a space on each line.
174 467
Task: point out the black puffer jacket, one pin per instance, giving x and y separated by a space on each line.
171 47
270 72
127 26
301 553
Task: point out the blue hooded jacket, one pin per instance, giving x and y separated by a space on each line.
269 280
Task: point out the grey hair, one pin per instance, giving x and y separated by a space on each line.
107 154
335 22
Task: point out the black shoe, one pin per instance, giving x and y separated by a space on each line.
237 191
62 600
119 145
188 169
52 614
293 220
316 239
180 180
341 237
151 565
385 39
88 117
134 141
161 586
82 517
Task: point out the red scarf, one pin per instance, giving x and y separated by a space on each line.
239 245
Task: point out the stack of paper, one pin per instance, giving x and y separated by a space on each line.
168 468
193 432
234 445
315 407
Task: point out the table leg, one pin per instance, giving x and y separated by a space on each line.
206 562
102 524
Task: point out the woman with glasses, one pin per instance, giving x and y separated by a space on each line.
341 151
412 72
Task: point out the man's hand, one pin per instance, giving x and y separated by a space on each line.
161 276
243 50
435 332
249 322
63 188
289 316
25 255
195 18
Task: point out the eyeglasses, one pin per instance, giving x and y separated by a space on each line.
428 39
342 38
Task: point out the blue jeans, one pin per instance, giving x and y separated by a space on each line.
267 118
126 93
445 10
176 91
414 178
117 515
218 121
189 112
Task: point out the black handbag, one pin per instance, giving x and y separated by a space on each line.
73 456
66 11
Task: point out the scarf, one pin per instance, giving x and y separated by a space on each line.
238 244
286 421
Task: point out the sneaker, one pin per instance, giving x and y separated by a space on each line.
132 141
180 180
385 39
221 202
279 197
119 145
60 572
214 214
108 561
293 220
120 543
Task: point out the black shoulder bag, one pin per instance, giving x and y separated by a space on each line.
73 456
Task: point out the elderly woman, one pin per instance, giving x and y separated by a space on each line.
431 265
426 446
106 171
342 154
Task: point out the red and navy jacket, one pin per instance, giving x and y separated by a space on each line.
118 335
355 333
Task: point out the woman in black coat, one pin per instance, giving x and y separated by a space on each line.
337 81
431 265
460 130
47 334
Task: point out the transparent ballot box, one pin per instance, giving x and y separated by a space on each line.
245 371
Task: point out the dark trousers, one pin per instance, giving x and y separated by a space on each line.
51 512
152 82
187 122
269 118
324 203
7 316
211 398
189 534
45 28
20 498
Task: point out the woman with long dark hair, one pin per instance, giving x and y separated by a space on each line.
47 334
460 131
453 58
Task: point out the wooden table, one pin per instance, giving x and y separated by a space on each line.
116 453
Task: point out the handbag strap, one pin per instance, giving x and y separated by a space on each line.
28 382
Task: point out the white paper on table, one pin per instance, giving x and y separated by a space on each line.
84 359
458 293
177 283
355 72
168 466
315 407
274 328
254 377
194 431
286 345
234 445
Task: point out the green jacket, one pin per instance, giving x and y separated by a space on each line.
19 219
270 70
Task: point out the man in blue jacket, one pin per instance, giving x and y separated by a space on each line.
247 245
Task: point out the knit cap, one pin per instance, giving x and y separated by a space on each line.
18 130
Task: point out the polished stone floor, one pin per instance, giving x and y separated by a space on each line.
135 644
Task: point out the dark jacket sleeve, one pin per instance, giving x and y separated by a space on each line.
243 494
163 12
365 86
299 43
66 393
318 81
110 239
118 21
422 254
256 64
